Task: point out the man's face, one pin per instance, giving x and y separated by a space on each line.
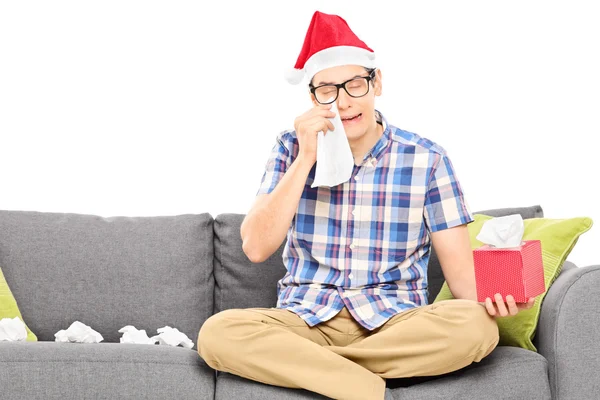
361 108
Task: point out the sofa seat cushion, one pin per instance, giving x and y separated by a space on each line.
51 370
507 373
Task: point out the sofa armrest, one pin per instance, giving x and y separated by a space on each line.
568 333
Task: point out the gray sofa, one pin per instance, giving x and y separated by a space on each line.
178 270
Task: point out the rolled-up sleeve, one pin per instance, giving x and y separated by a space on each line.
276 166
445 205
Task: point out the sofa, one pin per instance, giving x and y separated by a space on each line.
177 271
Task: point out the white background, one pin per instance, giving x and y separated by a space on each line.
144 108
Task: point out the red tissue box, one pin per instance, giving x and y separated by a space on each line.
517 271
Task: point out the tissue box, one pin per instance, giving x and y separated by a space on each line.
517 271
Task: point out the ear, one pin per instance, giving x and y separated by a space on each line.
378 85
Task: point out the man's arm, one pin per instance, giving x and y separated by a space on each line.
265 226
453 248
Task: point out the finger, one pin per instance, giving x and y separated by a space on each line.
316 119
500 304
322 125
312 115
512 306
320 113
530 303
489 305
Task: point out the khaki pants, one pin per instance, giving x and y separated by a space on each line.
339 358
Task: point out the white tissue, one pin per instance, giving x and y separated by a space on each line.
172 337
334 156
12 330
502 232
133 335
78 332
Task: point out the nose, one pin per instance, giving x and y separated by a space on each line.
343 100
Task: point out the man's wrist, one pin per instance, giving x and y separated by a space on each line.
303 163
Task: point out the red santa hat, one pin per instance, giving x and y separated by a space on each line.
329 42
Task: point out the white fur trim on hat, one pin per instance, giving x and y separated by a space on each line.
339 55
294 76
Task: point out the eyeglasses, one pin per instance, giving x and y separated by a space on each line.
355 87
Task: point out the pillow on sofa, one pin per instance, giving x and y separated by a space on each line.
558 237
9 308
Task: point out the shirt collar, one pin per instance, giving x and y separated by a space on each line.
382 143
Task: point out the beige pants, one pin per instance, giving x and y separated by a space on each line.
339 358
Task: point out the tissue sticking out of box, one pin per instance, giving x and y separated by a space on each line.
502 232
133 335
172 337
78 332
12 330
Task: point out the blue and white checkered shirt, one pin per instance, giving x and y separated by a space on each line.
365 243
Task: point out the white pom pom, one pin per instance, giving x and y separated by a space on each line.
294 76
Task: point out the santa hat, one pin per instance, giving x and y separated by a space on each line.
329 42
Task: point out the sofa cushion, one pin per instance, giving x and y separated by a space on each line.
242 284
507 373
110 272
9 307
49 370
239 282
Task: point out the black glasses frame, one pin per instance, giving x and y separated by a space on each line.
342 85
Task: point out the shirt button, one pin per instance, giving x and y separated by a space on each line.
356 177
354 212
374 161
350 276
352 246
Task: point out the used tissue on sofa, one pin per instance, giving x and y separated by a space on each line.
505 264
78 332
12 329
172 337
335 161
133 335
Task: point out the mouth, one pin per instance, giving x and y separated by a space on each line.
352 119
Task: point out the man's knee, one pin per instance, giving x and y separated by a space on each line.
477 331
213 343
480 328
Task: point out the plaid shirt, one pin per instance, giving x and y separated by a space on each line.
365 243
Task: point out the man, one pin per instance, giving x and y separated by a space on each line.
352 308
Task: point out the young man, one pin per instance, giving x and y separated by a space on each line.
352 308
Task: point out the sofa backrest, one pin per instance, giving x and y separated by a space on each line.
242 284
148 272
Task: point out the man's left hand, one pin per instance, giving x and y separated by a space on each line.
499 308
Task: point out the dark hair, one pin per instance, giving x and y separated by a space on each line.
369 71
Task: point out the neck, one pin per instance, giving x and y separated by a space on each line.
366 142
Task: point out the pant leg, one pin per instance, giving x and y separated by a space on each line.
277 347
426 341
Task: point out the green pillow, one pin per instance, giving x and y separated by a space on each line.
558 237
9 308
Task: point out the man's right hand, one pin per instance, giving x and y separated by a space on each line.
307 127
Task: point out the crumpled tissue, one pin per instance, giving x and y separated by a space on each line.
166 335
12 329
502 232
172 337
335 161
133 335
78 332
